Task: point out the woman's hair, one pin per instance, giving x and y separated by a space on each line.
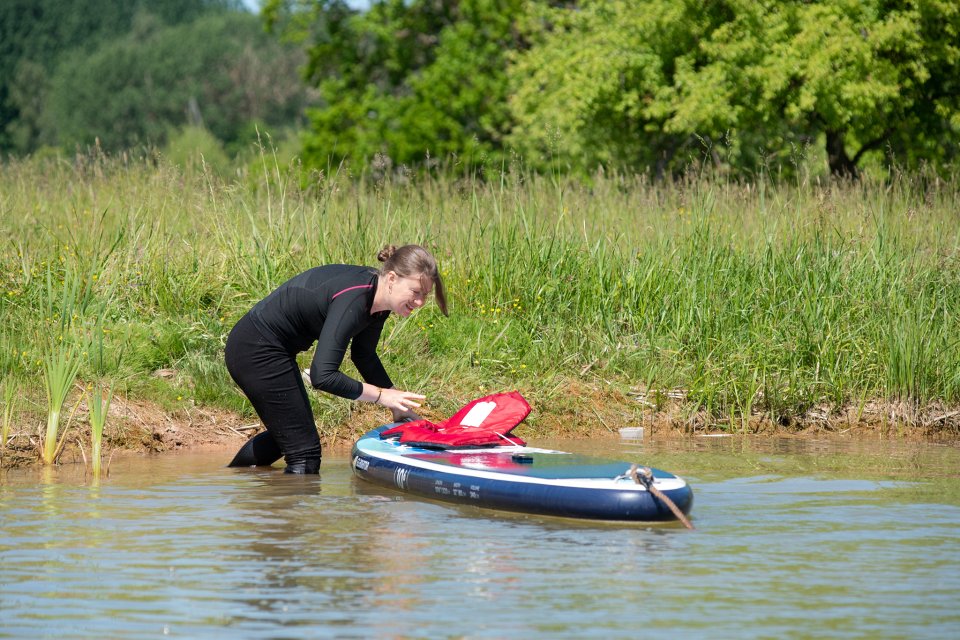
413 261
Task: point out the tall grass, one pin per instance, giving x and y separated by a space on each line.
98 403
9 399
60 304
60 371
741 297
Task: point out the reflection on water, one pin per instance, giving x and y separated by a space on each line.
793 539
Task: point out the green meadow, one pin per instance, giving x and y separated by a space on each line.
604 301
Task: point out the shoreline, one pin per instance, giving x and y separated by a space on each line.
141 427
698 306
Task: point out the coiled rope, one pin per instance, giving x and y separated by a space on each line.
644 476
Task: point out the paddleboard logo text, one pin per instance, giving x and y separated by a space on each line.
400 477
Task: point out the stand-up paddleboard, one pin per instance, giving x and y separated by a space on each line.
512 476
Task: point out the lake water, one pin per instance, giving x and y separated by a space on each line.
793 539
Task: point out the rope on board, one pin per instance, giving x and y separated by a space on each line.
644 476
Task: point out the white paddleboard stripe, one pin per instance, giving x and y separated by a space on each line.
664 484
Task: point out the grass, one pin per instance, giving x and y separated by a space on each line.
98 401
60 371
9 405
741 299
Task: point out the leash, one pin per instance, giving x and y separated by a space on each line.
644 476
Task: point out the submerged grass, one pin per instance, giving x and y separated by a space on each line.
737 298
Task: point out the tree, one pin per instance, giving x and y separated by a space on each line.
36 34
594 88
861 76
405 81
220 71
645 83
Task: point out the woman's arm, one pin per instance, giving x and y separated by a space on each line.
338 331
338 328
363 353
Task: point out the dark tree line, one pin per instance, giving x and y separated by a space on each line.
123 73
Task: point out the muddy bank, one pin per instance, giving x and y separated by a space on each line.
143 427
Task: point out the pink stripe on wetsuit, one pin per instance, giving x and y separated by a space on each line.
359 286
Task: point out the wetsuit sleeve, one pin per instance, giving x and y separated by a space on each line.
363 352
342 321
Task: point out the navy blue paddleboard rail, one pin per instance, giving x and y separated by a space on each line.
511 492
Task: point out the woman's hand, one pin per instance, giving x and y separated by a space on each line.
401 403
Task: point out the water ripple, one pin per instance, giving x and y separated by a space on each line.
199 551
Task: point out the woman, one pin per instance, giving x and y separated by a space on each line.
334 305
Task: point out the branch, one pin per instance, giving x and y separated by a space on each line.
873 144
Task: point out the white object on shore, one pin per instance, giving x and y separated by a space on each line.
632 433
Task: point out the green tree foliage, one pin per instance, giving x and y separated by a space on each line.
36 34
594 87
404 82
858 76
643 83
220 72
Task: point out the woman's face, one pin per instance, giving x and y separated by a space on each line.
405 295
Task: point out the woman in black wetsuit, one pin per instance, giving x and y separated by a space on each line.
334 305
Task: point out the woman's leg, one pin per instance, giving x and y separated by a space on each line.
260 450
272 381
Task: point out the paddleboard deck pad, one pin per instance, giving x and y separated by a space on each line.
518 478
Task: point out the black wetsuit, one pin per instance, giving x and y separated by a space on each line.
330 305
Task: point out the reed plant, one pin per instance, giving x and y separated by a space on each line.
62 298
10 391
60 371
739 297
98 404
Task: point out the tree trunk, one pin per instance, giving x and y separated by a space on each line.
840 163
